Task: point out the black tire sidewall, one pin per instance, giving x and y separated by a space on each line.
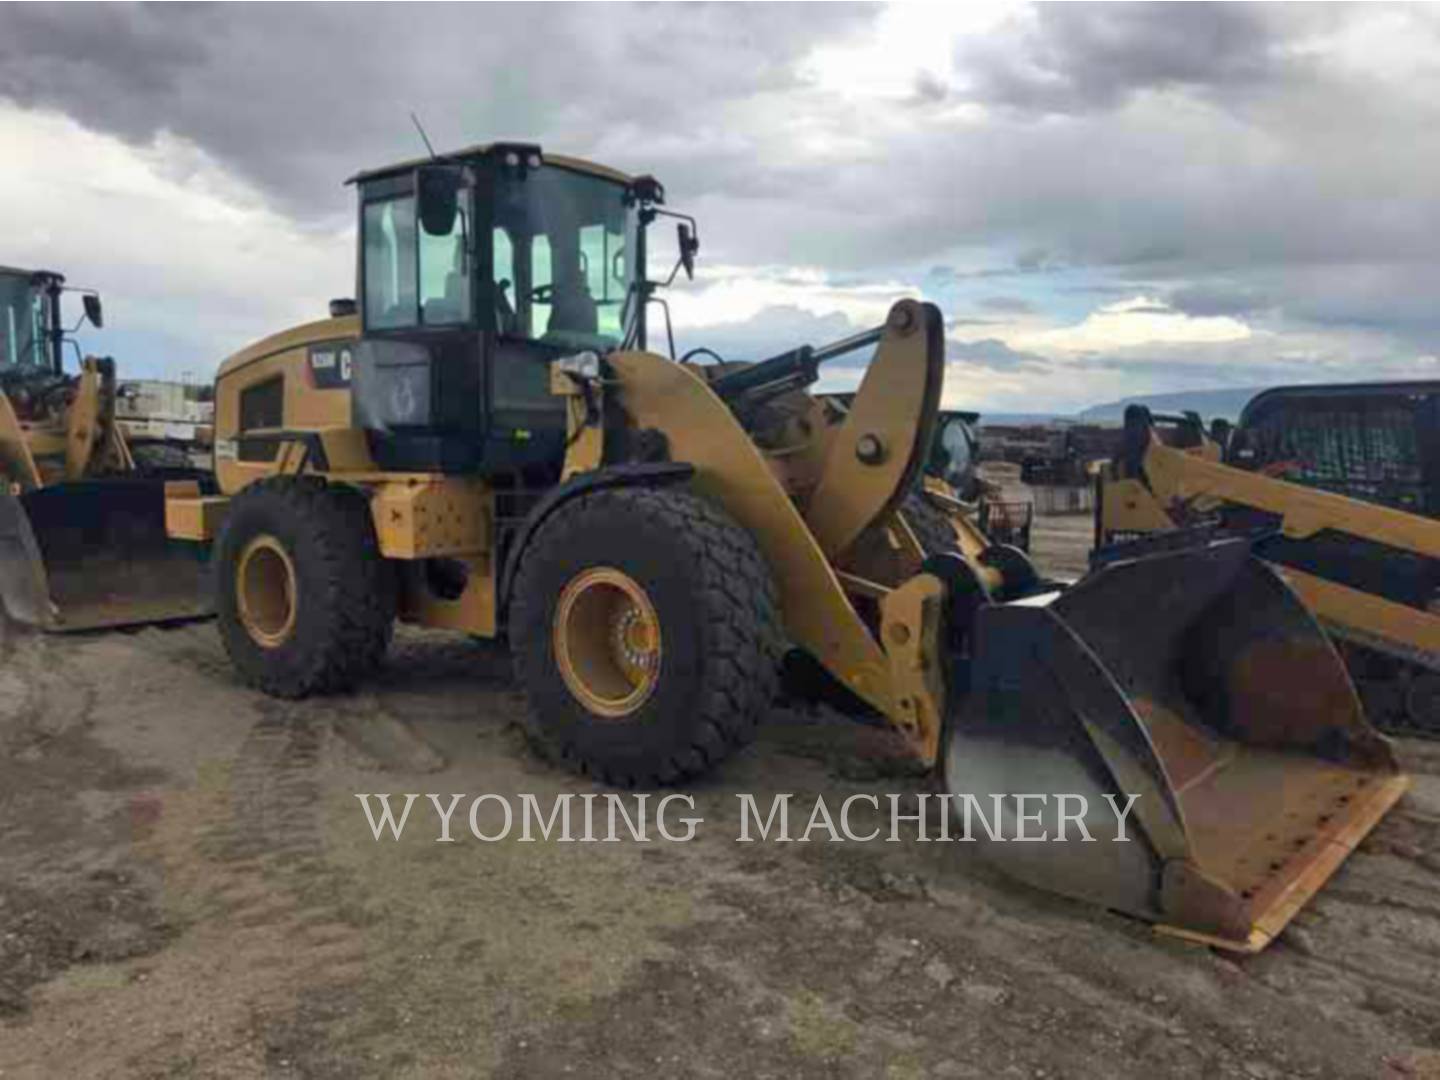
293 512
665 567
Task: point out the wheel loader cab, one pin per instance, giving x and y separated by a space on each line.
29 308
476 273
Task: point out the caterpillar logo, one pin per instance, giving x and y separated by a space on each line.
403 399
330 366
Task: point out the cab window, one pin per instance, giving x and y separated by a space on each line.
543 280
445 273
602 262
24 323
390 263
572 274
503 255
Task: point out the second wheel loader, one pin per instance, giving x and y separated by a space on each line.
82 509
486 443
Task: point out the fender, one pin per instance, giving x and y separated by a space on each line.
645 474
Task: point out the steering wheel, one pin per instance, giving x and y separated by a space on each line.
542 294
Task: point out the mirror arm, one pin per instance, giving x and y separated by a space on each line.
669 329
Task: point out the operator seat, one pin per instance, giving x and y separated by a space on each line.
574 310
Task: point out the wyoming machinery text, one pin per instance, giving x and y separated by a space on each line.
610 817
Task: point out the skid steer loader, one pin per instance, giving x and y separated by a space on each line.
487 445
1370 573
82 516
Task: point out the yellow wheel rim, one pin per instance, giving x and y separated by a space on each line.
265 591
607 642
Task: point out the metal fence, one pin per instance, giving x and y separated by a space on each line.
1052 501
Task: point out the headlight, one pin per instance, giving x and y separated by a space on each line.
583 365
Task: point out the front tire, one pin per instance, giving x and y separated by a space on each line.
645 634
304 601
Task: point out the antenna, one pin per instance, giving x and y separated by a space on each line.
416 121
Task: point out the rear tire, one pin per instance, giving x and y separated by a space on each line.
645 634
161 459
304 600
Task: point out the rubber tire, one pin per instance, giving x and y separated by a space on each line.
715 599
158 459
346 591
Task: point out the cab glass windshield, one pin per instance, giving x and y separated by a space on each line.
563 257
23 322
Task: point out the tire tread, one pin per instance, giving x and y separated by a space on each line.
741 623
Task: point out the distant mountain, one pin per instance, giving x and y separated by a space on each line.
1208 403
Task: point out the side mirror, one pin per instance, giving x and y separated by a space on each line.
437 190
93 311
689 247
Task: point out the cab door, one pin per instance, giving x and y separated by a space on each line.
418 385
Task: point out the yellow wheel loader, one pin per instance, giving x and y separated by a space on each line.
486 443
1369 572
82 512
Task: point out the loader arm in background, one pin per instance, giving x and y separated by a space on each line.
16 459
84 423
1370 573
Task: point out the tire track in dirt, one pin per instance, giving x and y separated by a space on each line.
237 862
255 854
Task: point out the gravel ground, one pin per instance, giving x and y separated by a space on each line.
189 887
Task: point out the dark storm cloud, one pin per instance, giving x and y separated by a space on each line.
1164 369
995 355
1009 305
1218 299
297 97
1227 156
1075 58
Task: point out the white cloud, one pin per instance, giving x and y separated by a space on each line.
906 42
732 294
1138 321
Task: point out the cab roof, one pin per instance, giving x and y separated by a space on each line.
605 172
45 279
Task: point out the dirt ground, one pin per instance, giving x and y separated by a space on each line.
189 887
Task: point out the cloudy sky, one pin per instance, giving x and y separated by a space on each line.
1103 200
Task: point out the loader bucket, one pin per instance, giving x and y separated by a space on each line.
1196 681
93 553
